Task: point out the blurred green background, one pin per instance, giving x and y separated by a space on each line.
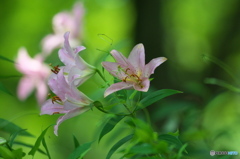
207 116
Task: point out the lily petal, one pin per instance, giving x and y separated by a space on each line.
116 87
137 57
112 67
121 60
42 91
70 114
49 108
144 86
25 87
152 65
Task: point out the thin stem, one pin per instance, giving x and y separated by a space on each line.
147 115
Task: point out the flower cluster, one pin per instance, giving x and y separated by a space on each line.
34 69
64 82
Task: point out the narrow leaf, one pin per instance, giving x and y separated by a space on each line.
222 83
6 59
4 89
13 136
6 153
171 140
80 151
46 148
111 123
118 144
9 127
38 142
29 146
76 143
156 96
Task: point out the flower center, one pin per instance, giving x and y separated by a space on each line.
131 77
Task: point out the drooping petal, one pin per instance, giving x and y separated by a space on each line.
70 114
114 69
152 65
116 87
42 91
77 97
143 86
67 46
49 108
137 57
25 87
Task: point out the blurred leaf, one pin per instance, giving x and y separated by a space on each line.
11 128
180 152
143 148
46 148
12 76
118 144
38 142
133 94
156 96
222 83
18 153
76 143
14 135
4 89
2 141
30 146
80 151
111 123
6 153
171 140
6 59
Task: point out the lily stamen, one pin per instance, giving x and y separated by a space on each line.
55 69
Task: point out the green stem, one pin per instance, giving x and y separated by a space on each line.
147 115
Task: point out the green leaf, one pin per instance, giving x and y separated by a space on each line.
38 142
111 123
2 141
118 144
156 96
18 153
29 146
133 94
6 59
222 83
6 153
4 89
76 143
9 127
144 148
183 148
11 76
14 135
46 148
171 140
80 151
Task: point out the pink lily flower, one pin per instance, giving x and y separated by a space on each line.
62 22
35 75
68 100
132 71
76 67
